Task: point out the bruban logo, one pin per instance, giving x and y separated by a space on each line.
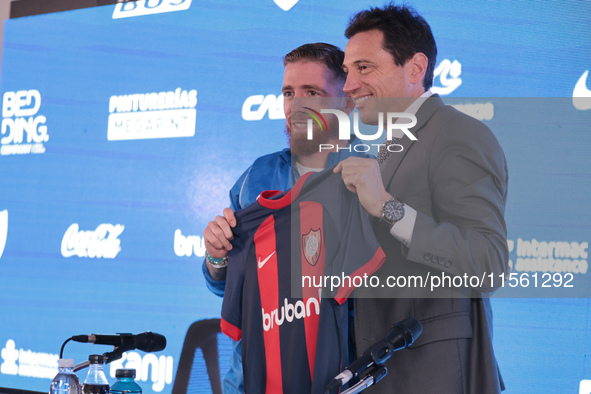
285 5
3 230
582 94
100 243
20 115
255 107
149 7
289 312
187 245
449 77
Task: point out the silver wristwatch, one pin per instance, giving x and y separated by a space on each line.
392 211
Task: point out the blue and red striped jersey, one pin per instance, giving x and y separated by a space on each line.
294 329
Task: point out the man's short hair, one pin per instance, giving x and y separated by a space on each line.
405 33
329 55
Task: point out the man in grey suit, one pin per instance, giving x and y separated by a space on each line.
438 208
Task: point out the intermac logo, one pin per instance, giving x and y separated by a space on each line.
152 115
3 230
149 7
27 363
20 115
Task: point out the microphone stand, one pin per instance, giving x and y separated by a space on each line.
80 366
376 374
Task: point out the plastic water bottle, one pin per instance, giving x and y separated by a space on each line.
66 381
125 382
96 381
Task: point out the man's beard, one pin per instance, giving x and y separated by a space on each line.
300 145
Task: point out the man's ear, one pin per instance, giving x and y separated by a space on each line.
417 67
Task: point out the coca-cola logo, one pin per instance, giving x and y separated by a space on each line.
100 243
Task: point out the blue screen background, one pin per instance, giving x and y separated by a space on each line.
523 57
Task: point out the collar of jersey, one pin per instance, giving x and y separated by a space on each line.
287 198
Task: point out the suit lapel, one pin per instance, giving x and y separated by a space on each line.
425 112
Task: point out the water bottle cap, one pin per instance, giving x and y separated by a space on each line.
66 363
125 373
96 359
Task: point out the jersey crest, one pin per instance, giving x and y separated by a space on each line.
311 246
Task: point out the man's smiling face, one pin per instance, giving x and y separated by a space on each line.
373 74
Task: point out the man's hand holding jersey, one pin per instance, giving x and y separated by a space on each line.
217 236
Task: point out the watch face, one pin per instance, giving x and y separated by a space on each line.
393 211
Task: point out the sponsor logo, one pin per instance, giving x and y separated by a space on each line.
149 7
585 386
187 245
548 256
152 115
3 230
257 106
100 243
20 115
27 363
480 111
160 368
449 77
311 245
286 5
262 263
289 312
582 94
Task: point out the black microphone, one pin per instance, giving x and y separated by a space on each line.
146 341
400 336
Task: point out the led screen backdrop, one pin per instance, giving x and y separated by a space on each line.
124 126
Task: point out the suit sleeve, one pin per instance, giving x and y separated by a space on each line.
466 233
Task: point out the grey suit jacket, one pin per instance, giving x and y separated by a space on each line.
456 177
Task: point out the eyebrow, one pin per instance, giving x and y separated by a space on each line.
306 87
356 62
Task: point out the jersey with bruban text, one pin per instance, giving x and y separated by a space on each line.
282 297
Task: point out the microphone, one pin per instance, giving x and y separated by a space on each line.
400 336
146 341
